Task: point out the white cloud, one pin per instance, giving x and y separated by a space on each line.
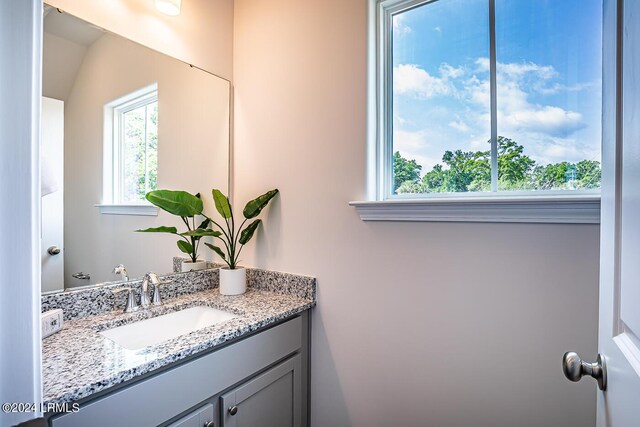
483 65
516 112
547 131
409 79
557 88
412 145
399 27
477 92
449 72
542 119
460 126
555 150
517 70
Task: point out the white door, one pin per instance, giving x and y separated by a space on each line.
619 328
52 164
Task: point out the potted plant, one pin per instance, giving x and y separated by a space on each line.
187 206
233 279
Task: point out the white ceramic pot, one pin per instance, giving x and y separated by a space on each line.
193 266
233 282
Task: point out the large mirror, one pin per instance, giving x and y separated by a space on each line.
118 120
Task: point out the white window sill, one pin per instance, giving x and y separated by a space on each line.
565 209
133 209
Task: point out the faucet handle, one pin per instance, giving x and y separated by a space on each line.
156 292
121 269
131 299
152 277
149 278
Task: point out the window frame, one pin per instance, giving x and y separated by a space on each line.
114 112
551 206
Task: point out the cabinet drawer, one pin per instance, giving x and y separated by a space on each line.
162 396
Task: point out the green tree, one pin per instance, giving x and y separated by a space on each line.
465 169
551 176
404 171
462 171
589 174
434 179
513 165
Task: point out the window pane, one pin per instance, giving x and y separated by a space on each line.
549 93
152 147
441 98
139 152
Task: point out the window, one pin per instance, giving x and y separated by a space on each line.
485 99
131 151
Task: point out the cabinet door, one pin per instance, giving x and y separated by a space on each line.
202 417
272 399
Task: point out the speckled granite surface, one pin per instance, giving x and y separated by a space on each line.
285 283
78 362
94 300
275 281
177 264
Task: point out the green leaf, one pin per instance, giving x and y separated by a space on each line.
162 229
202 233
255 206
178 203
222 203
216 250
205 223
185 247
247 233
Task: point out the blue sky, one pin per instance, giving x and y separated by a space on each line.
549 77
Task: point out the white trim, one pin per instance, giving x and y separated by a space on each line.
581 206
139 209
131 100
493 97
629 349
36 205
372 102
20 85
112 134
502 209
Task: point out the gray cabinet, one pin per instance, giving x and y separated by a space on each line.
272 399
269 388
202 417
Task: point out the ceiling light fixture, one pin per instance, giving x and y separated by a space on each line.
169 7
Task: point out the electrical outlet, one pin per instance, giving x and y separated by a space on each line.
52 322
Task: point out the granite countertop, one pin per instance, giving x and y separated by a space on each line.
78 362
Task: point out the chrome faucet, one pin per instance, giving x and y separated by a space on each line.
120 269
144 294
131 305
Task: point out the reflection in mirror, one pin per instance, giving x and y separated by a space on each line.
119 120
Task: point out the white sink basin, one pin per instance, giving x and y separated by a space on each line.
144 333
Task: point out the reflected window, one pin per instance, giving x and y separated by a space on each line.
131 147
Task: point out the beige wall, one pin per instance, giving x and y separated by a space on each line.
417 323
61 60
200 35
193 142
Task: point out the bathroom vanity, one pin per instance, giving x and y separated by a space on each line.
251 369
200 358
